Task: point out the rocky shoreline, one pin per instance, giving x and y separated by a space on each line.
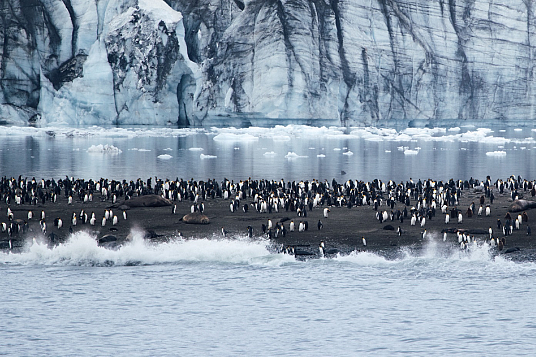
344 230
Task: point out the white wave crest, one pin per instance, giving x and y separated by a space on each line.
82 249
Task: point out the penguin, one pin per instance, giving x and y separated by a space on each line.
326 212
488 211
193 209
322 249
114 220
250 231
492 242
103 222
399 231
291 226
447 218
174 209
490 231
43 226
70 200
460 218
60 223
413 220
364 241
125 215
444 236
30 215
480 209
106 214
320 225
423 234
223 232
73 219
423 221
270 224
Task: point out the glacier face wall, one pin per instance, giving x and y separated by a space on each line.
199 62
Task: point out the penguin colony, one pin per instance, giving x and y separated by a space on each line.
410 205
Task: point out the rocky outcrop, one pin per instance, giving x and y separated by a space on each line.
226 61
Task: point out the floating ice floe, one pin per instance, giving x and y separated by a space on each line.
281 138
293 155
270 153
348 153
203 156
104 149
497 153
320 155
164 157
411 152
196 149
144 150
232 137
168 149
336 149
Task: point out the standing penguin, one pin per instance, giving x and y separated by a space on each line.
320 225
364 241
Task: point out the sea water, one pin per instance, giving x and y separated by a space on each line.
238 296
290 152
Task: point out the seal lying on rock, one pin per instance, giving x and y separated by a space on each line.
195 218
146 201
521 205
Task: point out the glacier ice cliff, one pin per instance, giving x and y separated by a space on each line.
202 62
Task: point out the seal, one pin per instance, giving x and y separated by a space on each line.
195 218
521 205
146 201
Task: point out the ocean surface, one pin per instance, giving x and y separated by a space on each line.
237 296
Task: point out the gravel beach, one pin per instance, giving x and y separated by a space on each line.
342 231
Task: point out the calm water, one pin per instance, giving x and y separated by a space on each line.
236 297
292 153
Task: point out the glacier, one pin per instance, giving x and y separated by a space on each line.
255 62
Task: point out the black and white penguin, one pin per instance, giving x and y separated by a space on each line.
173 209
125 215
320 225
322 249
364 241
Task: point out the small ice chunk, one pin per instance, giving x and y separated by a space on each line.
497 153
348 153
196 149
320 155
270 153
203 156
168 149
104 149
293 155
411 152
164 157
